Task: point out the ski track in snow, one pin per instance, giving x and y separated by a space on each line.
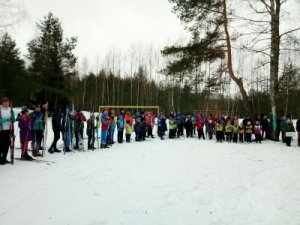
169 182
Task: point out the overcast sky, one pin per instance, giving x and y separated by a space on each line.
101 25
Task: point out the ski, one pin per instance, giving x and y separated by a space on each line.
45 130
12 135
35 160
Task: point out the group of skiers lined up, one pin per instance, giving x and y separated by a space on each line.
225 127
69 124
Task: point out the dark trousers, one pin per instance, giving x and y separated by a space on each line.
128 137
235 137
4 145
258 138
299 139
149 130
201 134
180 130
219 136
55 140
91 140
248 137
228 136
120 135
288 141
241 138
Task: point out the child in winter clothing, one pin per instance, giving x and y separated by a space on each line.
200 125
257 132
289 130
235 133
128 131
104 129
161 126
241 132
248 132
138 129
219 131
25 125
172 131
120 126
228 129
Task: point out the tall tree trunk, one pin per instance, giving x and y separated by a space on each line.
274 58
238 81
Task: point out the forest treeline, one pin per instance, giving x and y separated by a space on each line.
50 75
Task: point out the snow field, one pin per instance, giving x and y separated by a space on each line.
170 182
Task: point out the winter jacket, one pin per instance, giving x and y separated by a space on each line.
289 127
90 127
120 124
172 125
38 120
129 117
241 129
199 124
264 124
219 127
235 129
25 125
128 129
162 124
228 128
105 122
248 129
257 129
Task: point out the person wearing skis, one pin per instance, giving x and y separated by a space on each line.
7 119
26 133
56 127
105 120
79 120
38 129
90 131
67 129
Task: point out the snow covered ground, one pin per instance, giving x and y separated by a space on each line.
169 182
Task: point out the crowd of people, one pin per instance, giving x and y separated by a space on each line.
69 124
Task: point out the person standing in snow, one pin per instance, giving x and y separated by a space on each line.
56 127
90 131
104 129
79 119
26 134
289 130
6 119
128 131
38 129
120 127
257 132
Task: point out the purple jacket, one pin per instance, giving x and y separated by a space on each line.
25 125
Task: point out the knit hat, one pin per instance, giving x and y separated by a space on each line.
24 109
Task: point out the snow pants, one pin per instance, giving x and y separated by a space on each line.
103 137
4 145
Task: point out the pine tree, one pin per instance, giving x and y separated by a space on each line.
14 81
52 61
